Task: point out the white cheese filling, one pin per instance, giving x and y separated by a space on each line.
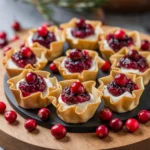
93 66
91 37
80 106
125 70
44 93
115 98
12 64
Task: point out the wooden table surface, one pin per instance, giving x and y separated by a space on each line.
15 137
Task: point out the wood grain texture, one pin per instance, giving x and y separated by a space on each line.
15 136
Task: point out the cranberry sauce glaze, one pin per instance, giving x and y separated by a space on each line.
75 94
120 85
78 60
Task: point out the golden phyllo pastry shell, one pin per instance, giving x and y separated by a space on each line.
124 104
34 100
56 47
79 42
107 52
74 113
84 75
39 53
116 58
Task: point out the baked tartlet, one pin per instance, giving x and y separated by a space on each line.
34 89
50 39
121 92
16 61
79 64
78 102
134 62
115 39
82 34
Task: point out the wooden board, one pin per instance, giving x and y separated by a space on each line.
15 136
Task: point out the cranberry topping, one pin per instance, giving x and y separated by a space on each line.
82 29
133 60
118 40
78 60
120 85
3 35
24 57
27 87
3 42
145 45
44 37
75 94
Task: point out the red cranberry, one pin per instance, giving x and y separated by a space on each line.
80 23
58 131
42 31
26 52
76 54
102 131
3 42
22 44
2 107
30 125
46 24
132 125
53 68
31 78
77 88
106 67
10 116
16 26
120 79
145 45
133 55
44 113
14 38
3 35
144 116
6 49
120 34
105 114
116 124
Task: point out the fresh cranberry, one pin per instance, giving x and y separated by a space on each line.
44 113
3 35
102 131
120 79
53 68
116 124
16 26
119 34
76 54
10 116
38 86
46 24
105 114
14 38
106 67
3 42
80 23
30 125
133 55
31 78
42 31
58 131
2 107
145 45
144 116
22 44
132 125
77 88
74 64
6 49
26 52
